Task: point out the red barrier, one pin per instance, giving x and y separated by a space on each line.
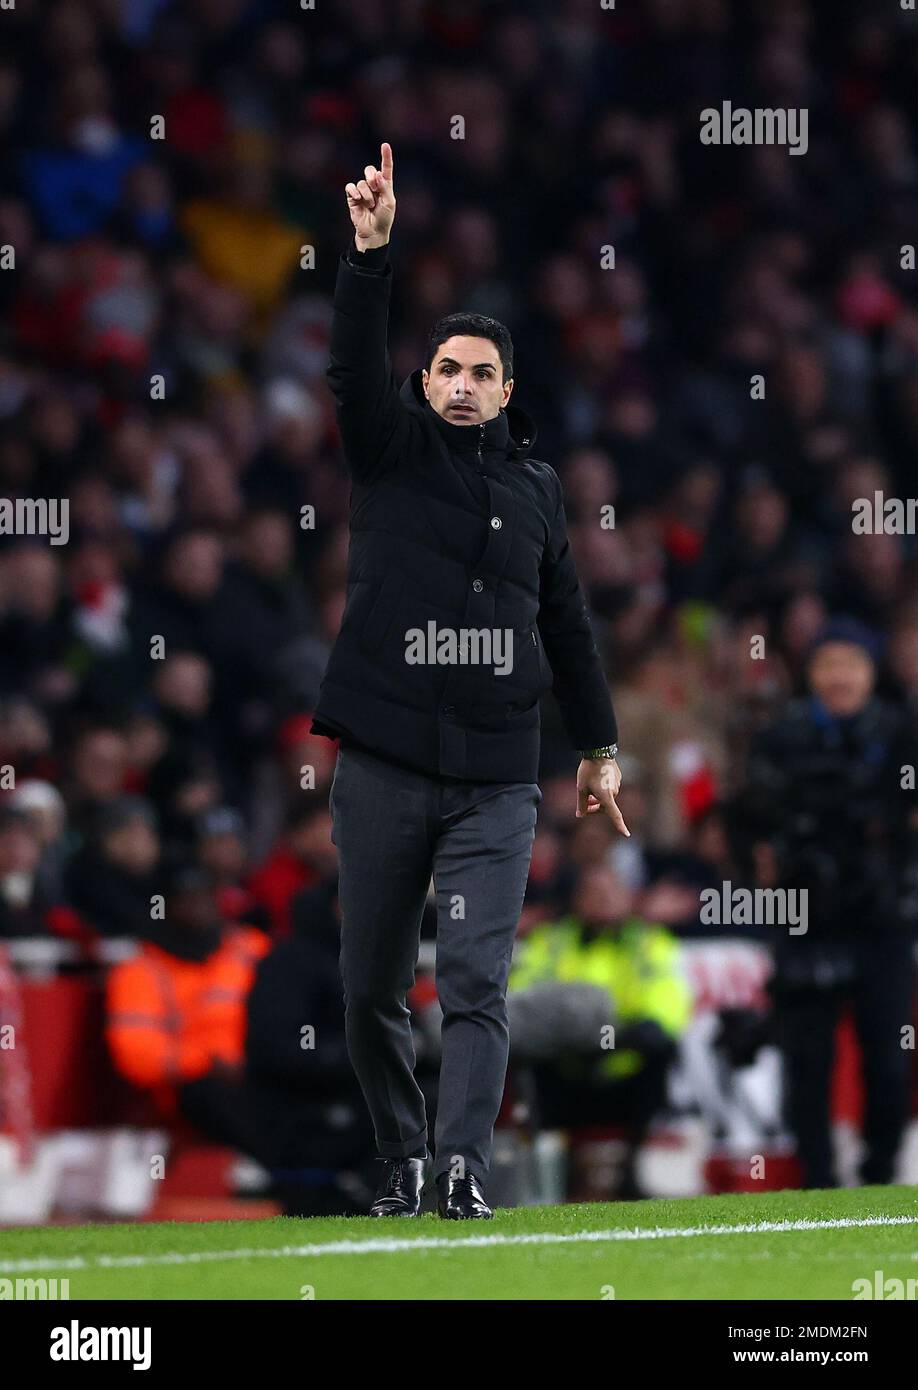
73 1082
74 1085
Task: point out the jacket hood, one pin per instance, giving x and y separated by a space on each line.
513 430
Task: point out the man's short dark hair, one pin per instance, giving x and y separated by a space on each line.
472 326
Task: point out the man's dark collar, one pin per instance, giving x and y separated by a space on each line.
495 436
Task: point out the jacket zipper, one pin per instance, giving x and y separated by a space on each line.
481 430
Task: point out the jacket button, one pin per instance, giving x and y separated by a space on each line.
496 523
477 585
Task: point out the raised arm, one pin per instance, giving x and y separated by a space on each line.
372 419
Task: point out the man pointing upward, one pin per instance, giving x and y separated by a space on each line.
452 522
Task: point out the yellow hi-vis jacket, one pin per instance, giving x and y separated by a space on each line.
639 965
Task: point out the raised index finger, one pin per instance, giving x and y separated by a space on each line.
385 151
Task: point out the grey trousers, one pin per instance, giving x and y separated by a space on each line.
394 829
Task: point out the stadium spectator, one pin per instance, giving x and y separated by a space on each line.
99 768
221 850
23 903
603 1077
303 856
44 808
112 880
829 794
175 1013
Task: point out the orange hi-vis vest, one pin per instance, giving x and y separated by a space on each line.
168 1019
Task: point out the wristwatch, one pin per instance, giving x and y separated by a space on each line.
597 754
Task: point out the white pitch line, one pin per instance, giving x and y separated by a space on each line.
386 1245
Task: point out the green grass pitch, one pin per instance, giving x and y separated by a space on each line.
660 1249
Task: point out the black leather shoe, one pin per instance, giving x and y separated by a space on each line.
461 1199
399 1191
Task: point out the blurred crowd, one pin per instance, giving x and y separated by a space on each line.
163 343
138 258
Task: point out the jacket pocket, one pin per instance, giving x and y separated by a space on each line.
546 674
382 611
531 672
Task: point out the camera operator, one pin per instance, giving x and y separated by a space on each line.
830 792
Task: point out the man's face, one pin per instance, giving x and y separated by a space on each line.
601 898
134 847
100 764
224 854
465 384
841 676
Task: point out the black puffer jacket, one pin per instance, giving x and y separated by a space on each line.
459 525
833 797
